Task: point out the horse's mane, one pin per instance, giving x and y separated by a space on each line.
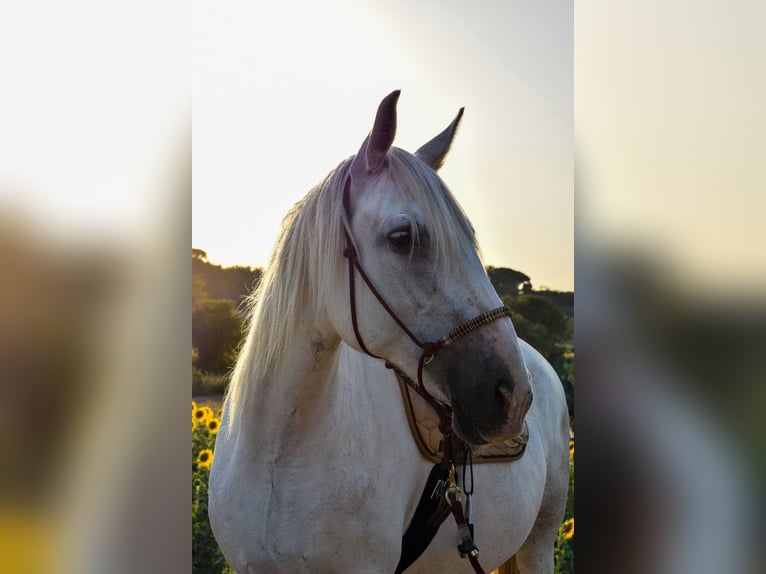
307 262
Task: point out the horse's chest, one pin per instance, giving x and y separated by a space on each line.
292 517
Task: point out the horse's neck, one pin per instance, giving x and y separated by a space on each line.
324 393
325 439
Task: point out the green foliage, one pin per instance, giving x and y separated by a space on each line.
216 334
564 548
206 556
199 291
544 326
216 325
567 367
234 283
562 300
208 384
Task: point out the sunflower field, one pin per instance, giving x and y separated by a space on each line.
206 556
564 550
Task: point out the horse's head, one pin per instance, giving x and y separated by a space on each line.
418 250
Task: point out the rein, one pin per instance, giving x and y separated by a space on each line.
445 488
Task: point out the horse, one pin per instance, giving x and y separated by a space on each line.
315 468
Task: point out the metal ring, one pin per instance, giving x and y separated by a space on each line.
428 359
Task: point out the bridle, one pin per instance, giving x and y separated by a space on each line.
428 349
422 534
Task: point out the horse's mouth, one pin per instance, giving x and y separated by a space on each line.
464 428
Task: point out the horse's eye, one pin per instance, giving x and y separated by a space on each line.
400 240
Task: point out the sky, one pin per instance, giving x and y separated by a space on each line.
671 133
95 115
282 92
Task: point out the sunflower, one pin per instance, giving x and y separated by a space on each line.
205 458
212 425
194 406
571 447
568 527
202 414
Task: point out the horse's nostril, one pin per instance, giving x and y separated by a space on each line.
504 391
500 400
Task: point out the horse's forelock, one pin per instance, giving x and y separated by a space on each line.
450 232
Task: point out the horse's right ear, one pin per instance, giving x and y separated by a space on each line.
434 152
372 154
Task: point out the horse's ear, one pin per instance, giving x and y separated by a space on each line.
375 147
434 152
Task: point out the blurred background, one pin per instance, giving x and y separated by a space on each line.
670 274
95 228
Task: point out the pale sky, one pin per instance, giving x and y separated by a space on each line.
282 92
671 133
95 114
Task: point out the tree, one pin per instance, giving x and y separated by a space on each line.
199 254
508 282
233 283
216 334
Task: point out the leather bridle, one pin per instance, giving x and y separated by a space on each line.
428 349
419 534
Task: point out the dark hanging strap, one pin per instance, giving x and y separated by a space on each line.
441 497
431 512
433 507
467 547
468 491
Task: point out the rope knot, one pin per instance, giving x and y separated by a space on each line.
349 252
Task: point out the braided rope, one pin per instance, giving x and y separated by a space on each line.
473 324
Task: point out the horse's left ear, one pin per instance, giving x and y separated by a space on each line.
373 152
434 152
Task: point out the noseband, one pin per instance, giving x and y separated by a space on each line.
429 349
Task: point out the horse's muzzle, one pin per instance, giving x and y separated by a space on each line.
517 408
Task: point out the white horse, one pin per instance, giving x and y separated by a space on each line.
315 469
